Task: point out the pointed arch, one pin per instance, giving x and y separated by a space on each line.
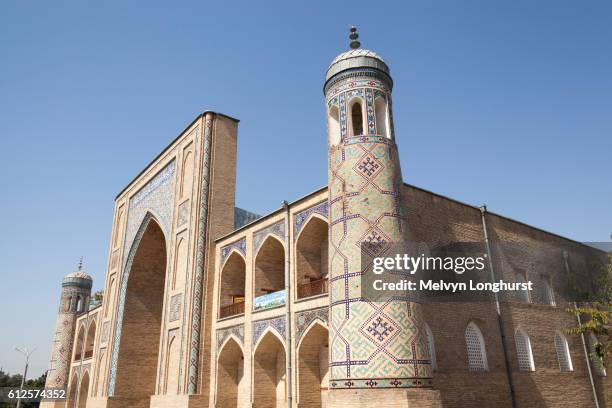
524 353
476 349
78 345
230 374
83 390
171 369
100 373
109 297
563 353
139 314
180 264
89 340
73 391
356 116
269 276
313 366
382 115
187 175
232 285
333 126
311 257
118 226
269 372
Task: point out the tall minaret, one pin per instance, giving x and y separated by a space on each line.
76 293
378 356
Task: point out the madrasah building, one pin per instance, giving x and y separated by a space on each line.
209 305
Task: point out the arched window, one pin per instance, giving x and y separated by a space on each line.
523 295
380 108
68 304
333 123
90 339
563 353
431 347
600 369
356 119
549 294
523 351
476 350
78 347
79 304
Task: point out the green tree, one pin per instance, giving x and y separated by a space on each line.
96 299
594 315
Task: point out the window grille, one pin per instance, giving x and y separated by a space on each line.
563 354
477 355
523 351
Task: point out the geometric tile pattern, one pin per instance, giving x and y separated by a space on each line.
303 216
198 285
279 324
183 213
277 229
175 307
372 344
240 246
223 334
305 318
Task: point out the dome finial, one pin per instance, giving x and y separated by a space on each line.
354 38
80 264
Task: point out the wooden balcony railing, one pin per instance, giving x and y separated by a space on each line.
231 310
317 287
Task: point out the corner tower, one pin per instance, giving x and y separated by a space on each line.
378 356
75 297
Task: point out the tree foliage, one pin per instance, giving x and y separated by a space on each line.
96 299
595 315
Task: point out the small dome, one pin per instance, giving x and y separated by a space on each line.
77 275
359 52
356 58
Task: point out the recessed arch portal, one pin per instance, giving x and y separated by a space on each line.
141 316
269 372
269 270
311 258
83 390
72 391
232 288
78 346
230 375
313 367
89 340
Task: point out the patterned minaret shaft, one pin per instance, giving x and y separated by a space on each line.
373 344
76 293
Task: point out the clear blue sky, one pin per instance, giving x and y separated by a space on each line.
503 103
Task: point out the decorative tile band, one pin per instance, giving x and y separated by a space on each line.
279 324
183 213
277 229
382 383
303 216
196 311
305 318
223 334
175 307
240 246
